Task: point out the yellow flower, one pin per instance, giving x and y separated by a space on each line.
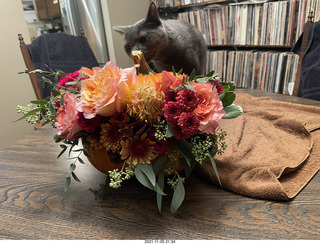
138 150
144 100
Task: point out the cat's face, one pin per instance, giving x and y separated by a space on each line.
146 35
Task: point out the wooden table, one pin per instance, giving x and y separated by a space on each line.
33 204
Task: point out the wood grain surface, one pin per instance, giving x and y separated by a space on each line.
33 204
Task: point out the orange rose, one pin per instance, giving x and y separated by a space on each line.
99 91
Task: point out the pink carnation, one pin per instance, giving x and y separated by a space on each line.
210 108
67 118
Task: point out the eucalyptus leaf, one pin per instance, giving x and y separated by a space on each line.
169 131
185 149
187 168
75 177
160 165
232 111
204 166
81 160
64 148
148 171
214 166
178 197
72 168
67 184
161 186
144 180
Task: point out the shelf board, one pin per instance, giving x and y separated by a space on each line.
203 4
249 47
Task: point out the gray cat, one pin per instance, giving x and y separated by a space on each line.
166 43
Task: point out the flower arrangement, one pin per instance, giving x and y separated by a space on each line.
154 126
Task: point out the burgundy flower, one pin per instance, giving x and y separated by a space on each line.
170 96
89 125
189 123
171 111
179 133
188 99
219 87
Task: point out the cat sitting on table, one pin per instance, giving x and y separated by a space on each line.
166 43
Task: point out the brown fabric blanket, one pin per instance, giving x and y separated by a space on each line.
273 149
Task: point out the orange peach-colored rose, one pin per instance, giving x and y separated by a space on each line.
99 91
210 109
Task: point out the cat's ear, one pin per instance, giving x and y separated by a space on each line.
120 28
153 16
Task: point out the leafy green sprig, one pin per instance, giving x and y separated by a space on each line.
46 109
70 148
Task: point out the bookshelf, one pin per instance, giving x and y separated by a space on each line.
248 42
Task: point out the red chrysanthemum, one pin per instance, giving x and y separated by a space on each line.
189 123
170 96
188 99
171 111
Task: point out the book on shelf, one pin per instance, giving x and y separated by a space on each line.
264 70
254 23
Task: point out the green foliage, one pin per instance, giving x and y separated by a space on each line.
232 111
69 146
178 194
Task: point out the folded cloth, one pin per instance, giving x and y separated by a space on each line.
273 149
61 51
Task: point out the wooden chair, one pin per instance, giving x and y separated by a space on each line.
29 65
59 51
